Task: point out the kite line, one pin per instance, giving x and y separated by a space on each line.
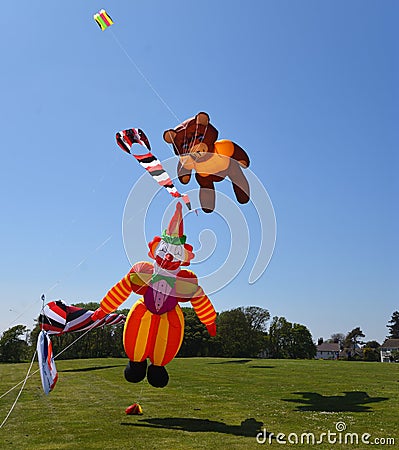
143 76
29 375
20 391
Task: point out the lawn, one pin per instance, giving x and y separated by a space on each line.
209 403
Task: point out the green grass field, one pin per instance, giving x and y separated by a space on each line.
209 403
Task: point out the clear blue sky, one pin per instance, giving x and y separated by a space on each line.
309 89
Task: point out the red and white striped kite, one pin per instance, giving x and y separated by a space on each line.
58 318
48 371
126 138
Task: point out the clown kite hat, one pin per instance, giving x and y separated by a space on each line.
174 233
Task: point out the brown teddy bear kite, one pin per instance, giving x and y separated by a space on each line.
195 142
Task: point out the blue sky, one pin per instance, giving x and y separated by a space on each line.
309 89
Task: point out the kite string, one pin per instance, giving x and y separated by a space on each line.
65 276
76 340
140 396
29 376
89 254
14 387
170 110
20 391
143 76
81 262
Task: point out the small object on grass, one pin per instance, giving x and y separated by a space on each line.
134 409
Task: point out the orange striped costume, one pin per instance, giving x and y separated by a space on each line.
155 324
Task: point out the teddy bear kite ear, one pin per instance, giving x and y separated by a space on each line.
202 118
169 136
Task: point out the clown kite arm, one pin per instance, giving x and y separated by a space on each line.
205 311
114 298
135 281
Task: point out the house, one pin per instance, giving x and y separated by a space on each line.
388 348
327 350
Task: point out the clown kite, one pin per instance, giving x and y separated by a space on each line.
154 327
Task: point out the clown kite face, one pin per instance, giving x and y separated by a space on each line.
171 251
169 256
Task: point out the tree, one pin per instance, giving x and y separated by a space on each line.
337 338
233 334
393 326
371 351
371 354
372 344
352 341
12 348
241 332
395 356
302 345
279 337
289 340
256 317
196 340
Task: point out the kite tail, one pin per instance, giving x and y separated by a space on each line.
154 167
187 201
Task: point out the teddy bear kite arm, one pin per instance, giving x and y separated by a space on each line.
183 172
240 155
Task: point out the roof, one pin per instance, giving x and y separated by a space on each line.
390 343
328 347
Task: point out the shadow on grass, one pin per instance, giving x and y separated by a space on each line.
248 427
355 401
89 369
237 361
262 367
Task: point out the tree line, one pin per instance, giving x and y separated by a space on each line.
241 332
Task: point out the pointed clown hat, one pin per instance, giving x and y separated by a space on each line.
174 232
